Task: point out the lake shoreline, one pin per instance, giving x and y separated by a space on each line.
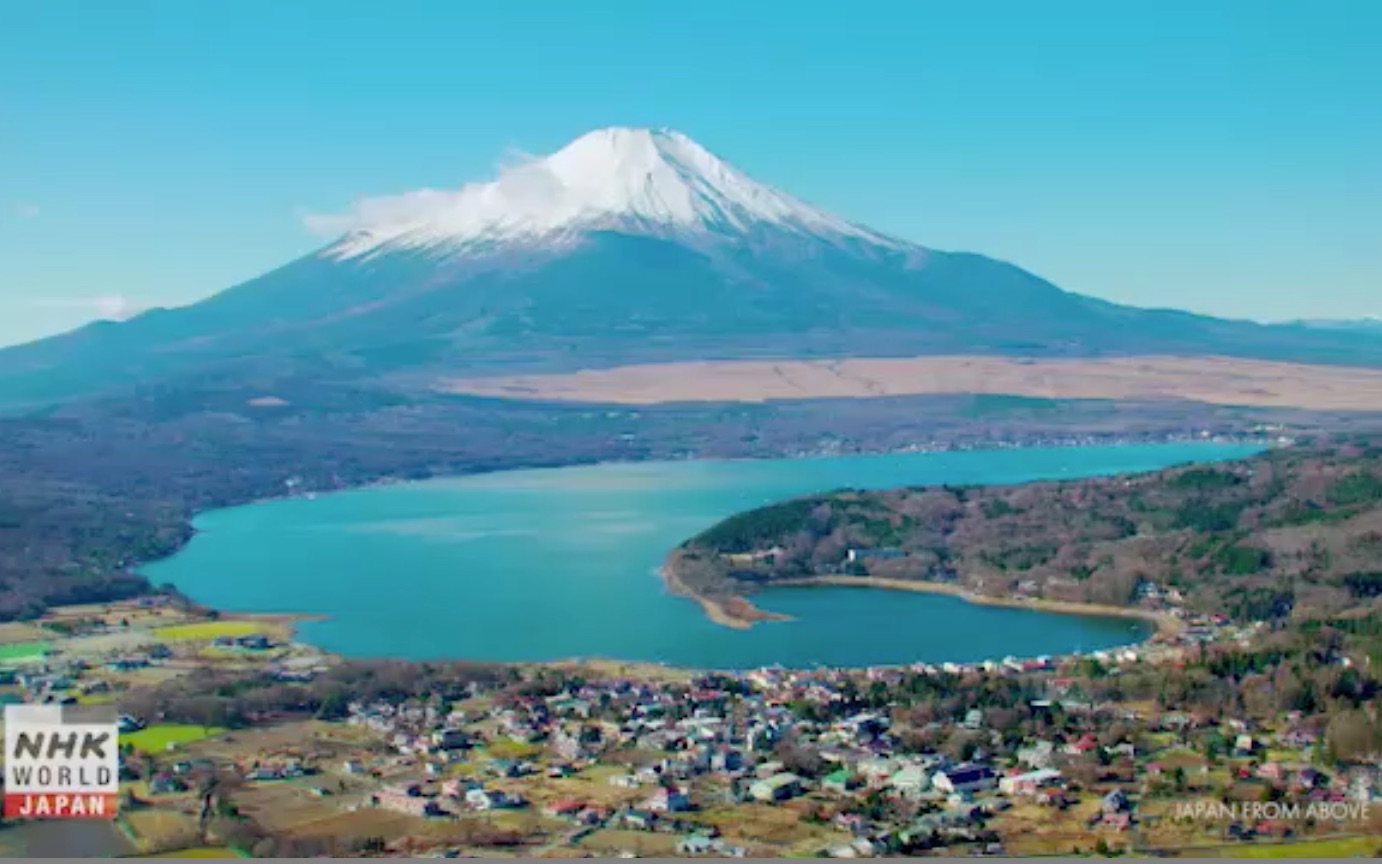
1165 623
738 613
725 606
285 623
741 613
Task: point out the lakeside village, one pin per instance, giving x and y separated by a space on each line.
1260 434
1009 757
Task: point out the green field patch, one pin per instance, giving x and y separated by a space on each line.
207 630
506 749
197 852
1335 847
23 652
157 738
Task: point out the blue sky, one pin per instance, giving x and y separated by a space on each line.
1223 156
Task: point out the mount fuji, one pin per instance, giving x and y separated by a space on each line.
625 246
631 181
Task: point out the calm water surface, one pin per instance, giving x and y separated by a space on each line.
547 564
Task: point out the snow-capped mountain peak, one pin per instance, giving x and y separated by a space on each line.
634 180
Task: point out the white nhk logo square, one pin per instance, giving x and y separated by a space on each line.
59 763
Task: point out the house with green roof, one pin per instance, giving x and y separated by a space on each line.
841 781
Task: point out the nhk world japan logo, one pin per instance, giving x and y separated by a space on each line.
61 762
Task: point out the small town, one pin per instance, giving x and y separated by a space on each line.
1011 757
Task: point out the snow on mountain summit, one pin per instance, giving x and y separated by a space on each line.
634 180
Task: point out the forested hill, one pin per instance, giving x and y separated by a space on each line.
1290 532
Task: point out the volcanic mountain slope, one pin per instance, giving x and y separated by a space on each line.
626 246
1370 325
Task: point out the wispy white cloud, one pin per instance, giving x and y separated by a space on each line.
386 210
27 210
110 307
523 176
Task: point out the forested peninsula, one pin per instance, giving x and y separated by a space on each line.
1292 534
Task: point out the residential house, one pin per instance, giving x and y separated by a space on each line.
1362 786
126 664
1125 748
1309 778
592 816
567 745
254 642
964 779
840 781
451 739
911 782
779 787
1040 754
726 760
668 799
1299 738
758 556
854 823
1120 821
1028 783
858 556
506 767
859 847
877 769
866 726
761 738
648 774
643 819
1115 802
485 799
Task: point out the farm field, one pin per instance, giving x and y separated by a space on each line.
19 652
768 829
207 630
610 842
157 738
268 742
20 631
1032 829
158 828
364 822
104 644
1334 847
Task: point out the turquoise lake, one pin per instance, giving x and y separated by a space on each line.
561 563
